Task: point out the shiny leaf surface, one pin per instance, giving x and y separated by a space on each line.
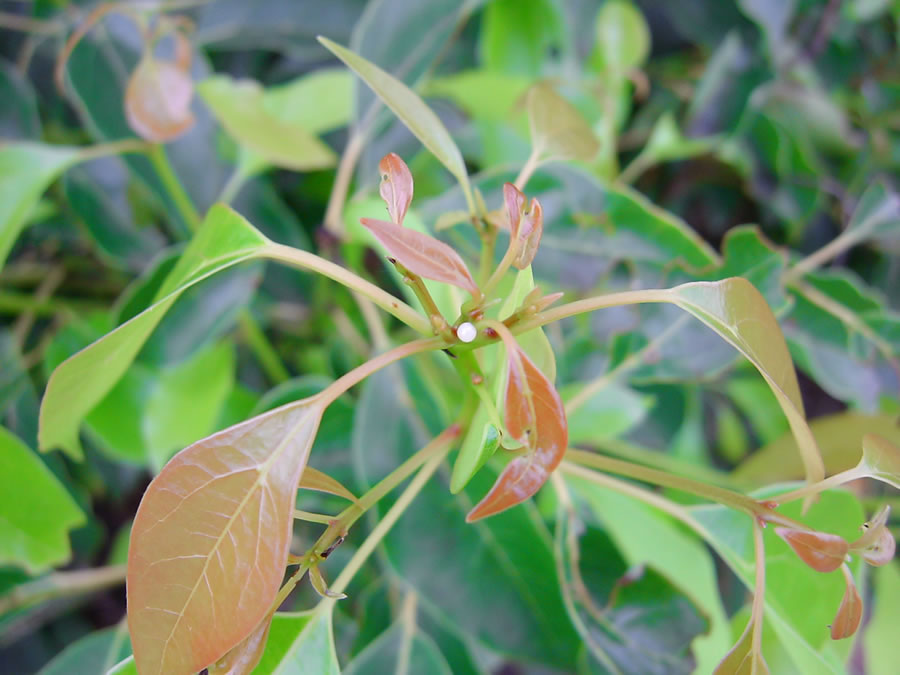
422 254
407 105
822 551
77 385
535 417
210 539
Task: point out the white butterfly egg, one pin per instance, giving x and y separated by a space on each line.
466 332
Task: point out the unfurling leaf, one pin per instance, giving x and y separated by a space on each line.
158 96
876 545
822 551
881 459
558 130
317 579
850 612
526 224
396 186
422 254
743 659
534 416
313 479
210 540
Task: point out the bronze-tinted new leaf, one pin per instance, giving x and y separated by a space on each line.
210 540
422 254
244 657
534 416
313 479
158 96
396 186
850 612
822 551
882 550
530 230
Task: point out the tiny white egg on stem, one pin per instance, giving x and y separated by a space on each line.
466 332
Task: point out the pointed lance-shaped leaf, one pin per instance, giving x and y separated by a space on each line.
313 479
872 528
850 612
210 540
534 415
822 551
396 186
422 254
530 230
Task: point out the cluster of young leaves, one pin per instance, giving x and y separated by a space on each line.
479 579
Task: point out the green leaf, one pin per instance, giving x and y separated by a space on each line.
318 102
407 105
26 171
241 108
738 312
623 37
877 214
225 239
608 413
19 116
211 538
299 643
558 130
37 510
93 654
517 35
200 385
98 194
879 636
512 552
645 536
482 94
789 582
400 644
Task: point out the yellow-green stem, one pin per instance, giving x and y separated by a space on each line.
262 349
173 186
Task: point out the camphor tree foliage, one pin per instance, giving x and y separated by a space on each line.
492 345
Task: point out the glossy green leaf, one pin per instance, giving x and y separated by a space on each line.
37 510
240 107
299 643
482 94
407 105
558 130
510 571
93 654
736 311
400 646
608 413
318 102
19 117
623 37
516 36
26 170
210 539
878 638
645 536
200 385
81 382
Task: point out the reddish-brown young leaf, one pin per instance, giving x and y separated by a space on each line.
396 186
158 100
422 254
850 612
210 540
531 228
313 479
534 415
515 205
244 657
822 551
